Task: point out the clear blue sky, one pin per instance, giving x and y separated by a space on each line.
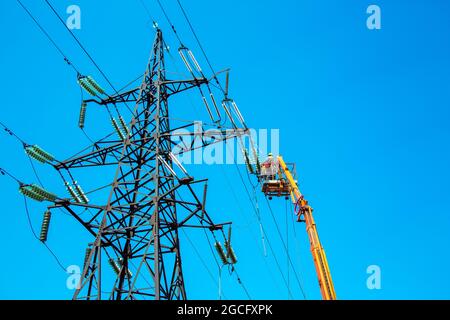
364 115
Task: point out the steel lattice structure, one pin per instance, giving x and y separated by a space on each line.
136 229
135 217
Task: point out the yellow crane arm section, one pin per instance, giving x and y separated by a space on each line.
305 212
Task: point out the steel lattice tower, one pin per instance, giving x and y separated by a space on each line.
138 225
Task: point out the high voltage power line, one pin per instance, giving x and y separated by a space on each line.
157 47
48 36
237 168
163 162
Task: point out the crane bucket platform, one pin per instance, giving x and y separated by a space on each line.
276 188
274 184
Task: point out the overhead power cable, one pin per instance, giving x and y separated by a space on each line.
37 238
11 133
238 203
212 252
233 267
255 208
33 167
48 36
3 172
131 82
148 13
170 22
84 50
285 247
242 284
103 74
53 42
201 258
240 174
200 45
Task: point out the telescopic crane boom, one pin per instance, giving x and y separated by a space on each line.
278 181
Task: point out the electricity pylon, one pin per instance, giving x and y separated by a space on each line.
136 230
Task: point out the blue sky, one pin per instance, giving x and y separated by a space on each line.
364 115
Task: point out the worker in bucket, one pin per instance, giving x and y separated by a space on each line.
269 168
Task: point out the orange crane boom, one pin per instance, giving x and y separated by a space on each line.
287 186
306 212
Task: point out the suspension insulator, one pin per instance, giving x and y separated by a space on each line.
85 85
43 193
43 153
117 128
258 163
208 108
130 274
27 192
45 226
221 252
124 125
255 157
114 265
227 111
230 253
195 61
183 57
81 195
30 151
82 118
247 161
215 105
238 113
72 193
95 85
